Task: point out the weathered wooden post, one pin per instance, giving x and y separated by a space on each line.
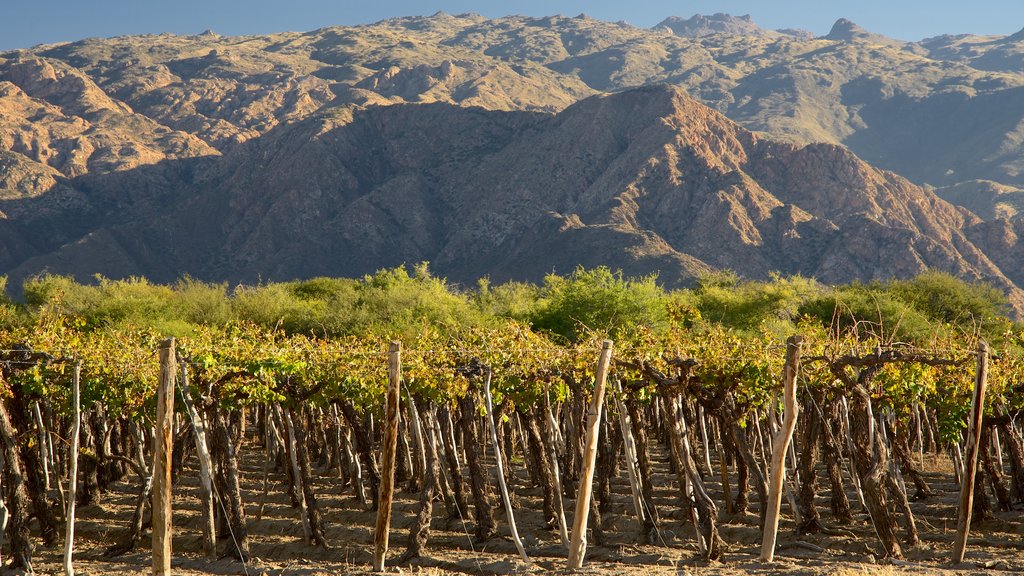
162 460
387 472
76 429
971 457
578 543
780 445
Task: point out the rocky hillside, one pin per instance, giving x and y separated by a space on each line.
512 147
646 179
941 111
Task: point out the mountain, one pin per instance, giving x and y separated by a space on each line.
992 53
941 111
848 31
701 25
513 146
647 179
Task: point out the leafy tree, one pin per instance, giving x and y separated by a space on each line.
869 310
599 300
941 297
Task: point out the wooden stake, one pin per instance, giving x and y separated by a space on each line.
578 543
162 460
780 444
76 428
501 471
387 473
205 467
971 457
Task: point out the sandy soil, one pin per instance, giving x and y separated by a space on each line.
278 548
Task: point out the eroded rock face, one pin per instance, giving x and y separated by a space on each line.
55 115
479 145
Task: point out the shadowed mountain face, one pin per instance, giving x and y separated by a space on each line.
647 179
486 147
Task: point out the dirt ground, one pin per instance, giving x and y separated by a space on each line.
278 548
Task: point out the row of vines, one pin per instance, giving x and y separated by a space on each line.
885 378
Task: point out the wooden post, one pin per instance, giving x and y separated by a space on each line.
501 471
76 428
578 543
780 445
387 472
971 457
205 466
162 460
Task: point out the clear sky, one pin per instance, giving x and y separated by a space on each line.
24 23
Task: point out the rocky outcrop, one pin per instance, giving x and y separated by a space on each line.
704 25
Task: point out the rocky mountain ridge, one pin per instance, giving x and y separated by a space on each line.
298 154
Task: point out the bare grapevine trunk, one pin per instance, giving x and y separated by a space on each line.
15 495
899 495
135 526
703 504
604 466
231 495
638 422
419 532
88 491
729 440
452 457
404 473
539 464
901 449
747 462
872 468
810 429
35 482
982 511
485 526
1015 445
833 456
364 445
316 523
1002 492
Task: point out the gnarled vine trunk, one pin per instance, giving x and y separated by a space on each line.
485 526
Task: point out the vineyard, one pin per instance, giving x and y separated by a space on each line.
863 421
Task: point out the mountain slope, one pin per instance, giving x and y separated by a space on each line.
511 147
647 179
903 106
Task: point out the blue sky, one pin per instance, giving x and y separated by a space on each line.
24 23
